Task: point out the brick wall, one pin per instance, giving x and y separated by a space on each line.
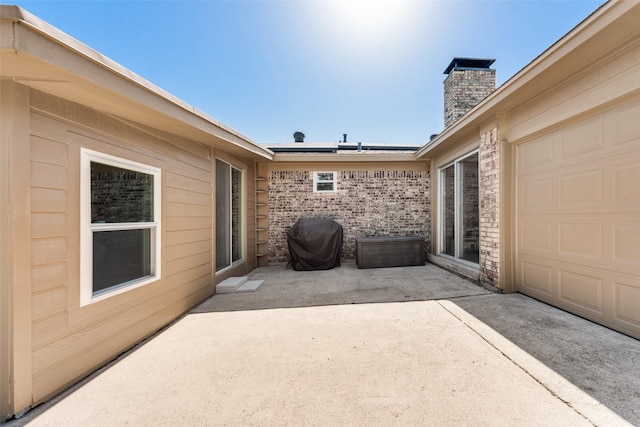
367 203
489 208
120 195
463 90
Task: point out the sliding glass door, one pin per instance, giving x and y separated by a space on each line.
460 209
228 215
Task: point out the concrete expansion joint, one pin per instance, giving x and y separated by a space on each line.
464 296
594 412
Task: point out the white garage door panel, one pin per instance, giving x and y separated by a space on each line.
581 188
627 244
535 278
570 286
611 299
580 139
583 240
626 182
582 290
608 242
536 236
627 301
603 185
625 124
578 221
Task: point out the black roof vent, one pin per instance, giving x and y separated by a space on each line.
298 137
469 64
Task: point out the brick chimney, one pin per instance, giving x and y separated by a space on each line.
469 81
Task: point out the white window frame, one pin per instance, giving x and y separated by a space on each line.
458 194
317 180
87 228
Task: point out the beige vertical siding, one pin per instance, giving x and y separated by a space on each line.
69 341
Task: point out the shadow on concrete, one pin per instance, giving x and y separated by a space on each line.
601 362
286 288
598 361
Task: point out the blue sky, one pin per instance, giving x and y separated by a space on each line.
266 68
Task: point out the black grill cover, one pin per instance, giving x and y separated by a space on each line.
315 244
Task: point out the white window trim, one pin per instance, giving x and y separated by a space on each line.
457 203
316 181
234 264
87 228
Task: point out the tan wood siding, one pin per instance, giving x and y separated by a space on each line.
121 331
69 341
15 250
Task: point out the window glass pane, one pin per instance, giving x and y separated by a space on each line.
324 186
325 176
470 209
120 256
236 215
448 211
120 195
223 211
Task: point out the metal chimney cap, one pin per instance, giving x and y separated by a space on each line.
469 64
298 137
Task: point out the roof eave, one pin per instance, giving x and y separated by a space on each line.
89 70
362 156
522 86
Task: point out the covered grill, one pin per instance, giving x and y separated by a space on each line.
315 244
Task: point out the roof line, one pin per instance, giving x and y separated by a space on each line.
540 63
23 17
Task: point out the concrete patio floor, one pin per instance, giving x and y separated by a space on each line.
399 346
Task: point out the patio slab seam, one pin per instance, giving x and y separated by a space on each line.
572 396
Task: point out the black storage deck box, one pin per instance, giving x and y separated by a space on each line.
372 252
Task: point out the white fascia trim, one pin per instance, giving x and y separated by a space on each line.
576 36
28 20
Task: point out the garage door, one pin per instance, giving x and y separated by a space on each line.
578 218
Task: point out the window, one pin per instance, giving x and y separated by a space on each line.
324 182
459 209
120 230
228 215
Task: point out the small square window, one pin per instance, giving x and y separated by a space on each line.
325 182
